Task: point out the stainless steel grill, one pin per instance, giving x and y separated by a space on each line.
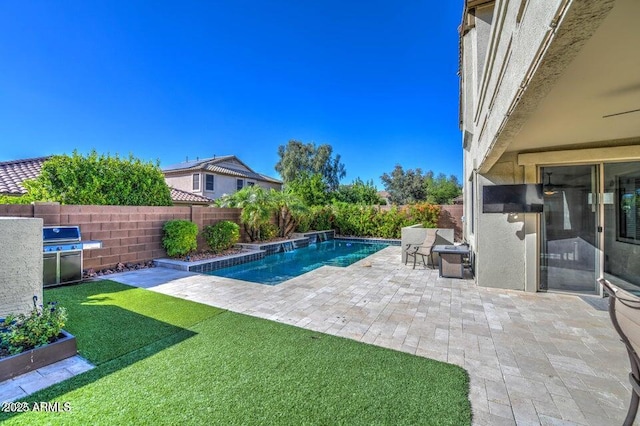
62 249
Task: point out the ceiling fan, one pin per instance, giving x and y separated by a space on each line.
549 189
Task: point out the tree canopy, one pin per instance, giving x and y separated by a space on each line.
298 158
312 189
100 180
413 186
358 192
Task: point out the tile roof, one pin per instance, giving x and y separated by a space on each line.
13 173
240 173
196 164
179 196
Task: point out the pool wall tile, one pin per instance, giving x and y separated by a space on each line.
259 251
214 264
390 241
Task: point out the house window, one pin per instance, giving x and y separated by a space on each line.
196 182
239 184
629 208
251 183
208 182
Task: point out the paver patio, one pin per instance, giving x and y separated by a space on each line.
543 358
532 358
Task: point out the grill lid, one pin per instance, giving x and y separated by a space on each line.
57 234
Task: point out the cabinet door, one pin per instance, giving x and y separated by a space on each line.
50 269
70 267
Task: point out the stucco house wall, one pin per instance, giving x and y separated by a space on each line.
516 58
21 264
182 182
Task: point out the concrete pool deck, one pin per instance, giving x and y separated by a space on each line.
542 358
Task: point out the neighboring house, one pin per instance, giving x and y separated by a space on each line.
216 176
13 173
550 94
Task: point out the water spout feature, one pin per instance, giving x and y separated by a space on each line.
286 246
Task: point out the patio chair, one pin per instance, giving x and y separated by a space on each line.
624 310
424 249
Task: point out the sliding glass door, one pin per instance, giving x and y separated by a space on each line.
569 255
621 206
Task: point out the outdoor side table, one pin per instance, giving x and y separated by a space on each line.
451 265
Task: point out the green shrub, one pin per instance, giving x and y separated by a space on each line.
389 223
360 220
24 332
15 199
180 237
304 223
221 236
268 231
370 221
424 213
322 218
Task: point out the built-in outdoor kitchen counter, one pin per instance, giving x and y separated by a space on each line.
62 252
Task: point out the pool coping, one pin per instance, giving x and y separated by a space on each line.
256 252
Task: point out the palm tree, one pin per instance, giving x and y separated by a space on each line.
256 206
289 207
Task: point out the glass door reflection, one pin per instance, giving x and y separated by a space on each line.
569 229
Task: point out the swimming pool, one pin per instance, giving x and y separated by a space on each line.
281 267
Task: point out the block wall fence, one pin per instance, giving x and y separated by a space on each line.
132 234
129 234
451 218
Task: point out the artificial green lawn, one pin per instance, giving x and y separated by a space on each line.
163 360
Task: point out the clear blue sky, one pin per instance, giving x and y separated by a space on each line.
166 80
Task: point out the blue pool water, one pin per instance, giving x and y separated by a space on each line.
280 267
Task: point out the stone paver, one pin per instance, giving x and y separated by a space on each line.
547 359
26 384
543 358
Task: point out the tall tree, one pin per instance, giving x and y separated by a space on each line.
312 189
359 192
410 186
298 158
442 190
405 187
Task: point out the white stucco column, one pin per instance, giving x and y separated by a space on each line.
20 264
